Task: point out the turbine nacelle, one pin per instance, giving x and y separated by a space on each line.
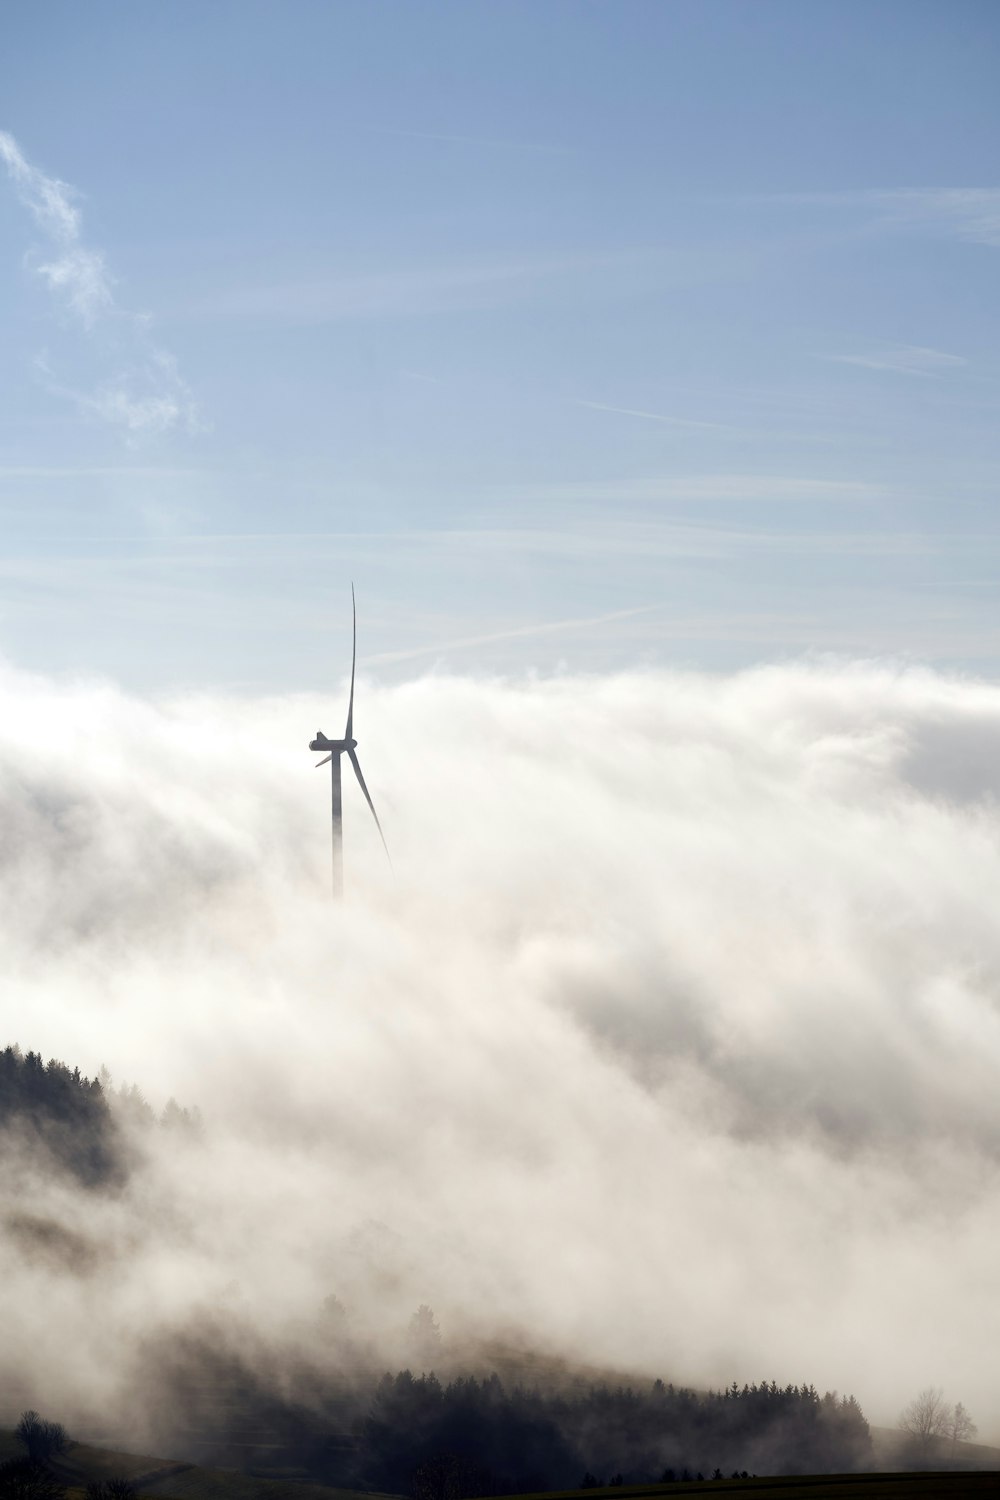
322 743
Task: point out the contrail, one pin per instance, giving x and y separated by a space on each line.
551 628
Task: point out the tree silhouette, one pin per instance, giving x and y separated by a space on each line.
925 1422
117 1488
25 1479
929 1421
42 1439
420 1433
59 1114
960 1428
334 1317
424 1338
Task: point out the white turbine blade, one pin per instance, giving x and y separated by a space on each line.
361 780
323 761
348 733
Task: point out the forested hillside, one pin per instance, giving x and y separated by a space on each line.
59 1117
314 1401
494 1440
61 1121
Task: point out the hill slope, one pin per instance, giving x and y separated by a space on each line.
167 1478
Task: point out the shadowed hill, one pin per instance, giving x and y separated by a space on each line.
890 1449
85 1463
151 1476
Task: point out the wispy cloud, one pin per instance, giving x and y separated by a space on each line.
901 359
145 394
970 213
737 487
715 429
77 274
655 416
550 627
458 139
408 291
17 472
145 397
420 290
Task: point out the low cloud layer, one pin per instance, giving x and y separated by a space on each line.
672 1042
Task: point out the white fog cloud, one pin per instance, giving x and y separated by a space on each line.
672 1042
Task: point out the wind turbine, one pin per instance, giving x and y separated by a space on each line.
335 749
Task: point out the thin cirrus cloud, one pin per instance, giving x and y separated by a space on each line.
144 393
433 289
399 292
968 213
735 487
902 359
655 416
455 139
727 430
550 627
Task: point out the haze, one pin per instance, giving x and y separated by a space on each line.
637 363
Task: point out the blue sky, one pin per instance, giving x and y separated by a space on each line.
580 335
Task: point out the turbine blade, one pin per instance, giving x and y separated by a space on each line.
349 731
323 761
361 780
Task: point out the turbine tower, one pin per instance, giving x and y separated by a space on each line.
335 749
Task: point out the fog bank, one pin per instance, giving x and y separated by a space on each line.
671 1041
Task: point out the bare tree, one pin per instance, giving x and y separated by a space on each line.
925 1421
110 1489
929 1421
42 1439
961 1428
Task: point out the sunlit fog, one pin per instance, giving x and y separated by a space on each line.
667 1044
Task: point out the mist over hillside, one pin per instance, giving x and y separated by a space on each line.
671 1042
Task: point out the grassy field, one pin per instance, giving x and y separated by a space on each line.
952 1486
171 1480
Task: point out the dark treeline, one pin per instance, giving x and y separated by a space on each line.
467 1435
474 1437
74 1123
27 1479
61 1117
